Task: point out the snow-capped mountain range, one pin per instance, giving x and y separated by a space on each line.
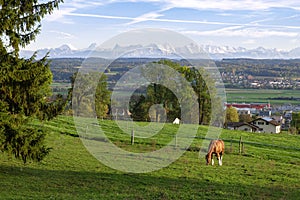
153 50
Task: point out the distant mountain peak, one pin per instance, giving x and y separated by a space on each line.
214 52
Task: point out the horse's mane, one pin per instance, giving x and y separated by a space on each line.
212 144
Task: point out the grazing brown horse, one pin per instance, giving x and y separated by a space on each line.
216 147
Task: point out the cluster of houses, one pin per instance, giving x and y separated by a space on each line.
264 122
244 80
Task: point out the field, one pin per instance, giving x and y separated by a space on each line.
269 168
262 96
233 95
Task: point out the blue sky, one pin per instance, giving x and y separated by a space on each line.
234 23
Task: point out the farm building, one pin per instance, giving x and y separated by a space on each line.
260 125
267 125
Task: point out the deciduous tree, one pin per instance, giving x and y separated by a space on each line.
231 115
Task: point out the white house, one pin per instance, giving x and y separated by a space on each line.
267 125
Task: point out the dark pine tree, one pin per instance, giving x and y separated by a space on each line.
24 83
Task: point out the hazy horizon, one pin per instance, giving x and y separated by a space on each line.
249 24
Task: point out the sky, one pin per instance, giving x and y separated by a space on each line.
248 23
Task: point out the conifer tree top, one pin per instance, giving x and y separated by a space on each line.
20 21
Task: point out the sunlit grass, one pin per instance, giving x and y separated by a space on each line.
269 168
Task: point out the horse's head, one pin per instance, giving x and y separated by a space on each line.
208 159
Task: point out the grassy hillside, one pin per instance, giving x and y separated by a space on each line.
269 168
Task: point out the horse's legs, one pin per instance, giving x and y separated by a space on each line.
220 159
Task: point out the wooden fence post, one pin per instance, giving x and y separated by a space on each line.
243 149
240 145
132 137
175 140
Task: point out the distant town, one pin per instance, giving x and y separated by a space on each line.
244 80
277 117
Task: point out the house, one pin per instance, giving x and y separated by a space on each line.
279 119
267 125
243 126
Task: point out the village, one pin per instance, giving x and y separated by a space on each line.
262 117
243 80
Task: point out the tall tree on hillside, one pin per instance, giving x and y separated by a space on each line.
295 123
139 108
24 83
200 87
159 94
90 92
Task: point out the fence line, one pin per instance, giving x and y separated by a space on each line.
241 142
252 143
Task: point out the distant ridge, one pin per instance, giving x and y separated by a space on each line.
153 50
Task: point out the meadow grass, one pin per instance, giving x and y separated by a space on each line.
269 168
261 96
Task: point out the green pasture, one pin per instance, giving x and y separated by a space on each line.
268 168
261 96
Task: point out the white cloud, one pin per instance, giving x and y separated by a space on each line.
68 7
221 4
99 16
145 17
153 17
59 16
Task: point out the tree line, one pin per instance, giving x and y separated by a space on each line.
145 97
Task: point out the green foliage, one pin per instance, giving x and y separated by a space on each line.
24 87
295 123
245 118
20 21
88 92
102 97
24 83
24 143
159 94
139 108
231 115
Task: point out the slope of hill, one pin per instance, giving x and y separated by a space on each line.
268 169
